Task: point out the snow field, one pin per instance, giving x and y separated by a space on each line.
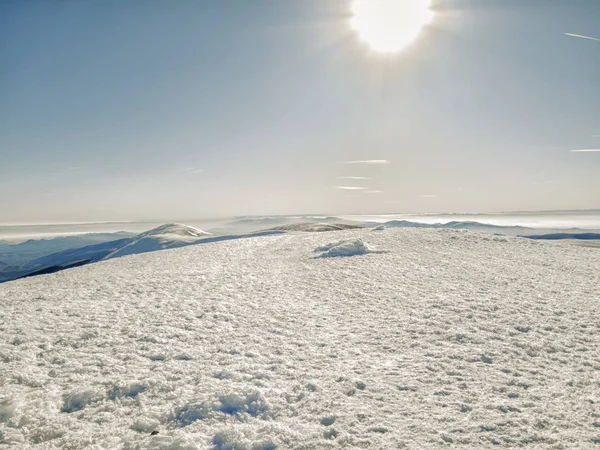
449 339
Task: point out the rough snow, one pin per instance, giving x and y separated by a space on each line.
449 339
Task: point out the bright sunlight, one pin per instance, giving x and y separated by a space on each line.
388 26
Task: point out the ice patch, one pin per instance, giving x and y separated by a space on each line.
345 248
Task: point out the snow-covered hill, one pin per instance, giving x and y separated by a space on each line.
160 238
171 235
441 339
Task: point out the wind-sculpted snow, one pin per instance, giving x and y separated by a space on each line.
448 340
354 247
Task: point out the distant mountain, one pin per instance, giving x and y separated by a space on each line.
14 254
455 225
561 236
475 226
90 252
171 235
316 227
160 238
465 225
252 224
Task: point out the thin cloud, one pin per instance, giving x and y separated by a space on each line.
586 150
368 161
373 192
350 188
582 37
354 178
543 183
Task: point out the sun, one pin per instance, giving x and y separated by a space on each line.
388 26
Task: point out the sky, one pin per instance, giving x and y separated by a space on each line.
156 110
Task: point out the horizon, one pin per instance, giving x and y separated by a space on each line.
309 215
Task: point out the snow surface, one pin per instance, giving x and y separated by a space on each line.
449 339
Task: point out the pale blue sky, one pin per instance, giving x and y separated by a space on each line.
146 109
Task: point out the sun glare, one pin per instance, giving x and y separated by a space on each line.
388 26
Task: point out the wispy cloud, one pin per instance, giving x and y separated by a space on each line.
73 168
373 192
582 37
193 170
368 161
543 183
428 196
350 188
586 150
354 178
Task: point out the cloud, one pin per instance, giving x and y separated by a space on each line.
369 161
73 168
543 183
586 150
354 178
428 196
350 188
373 192
582 37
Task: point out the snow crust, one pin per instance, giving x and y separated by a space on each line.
448 340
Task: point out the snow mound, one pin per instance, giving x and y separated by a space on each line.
345 248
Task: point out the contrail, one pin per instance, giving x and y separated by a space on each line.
582 37
586 150
370 161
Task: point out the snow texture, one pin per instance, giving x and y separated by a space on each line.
448 340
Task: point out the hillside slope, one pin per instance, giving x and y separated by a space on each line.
433 339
